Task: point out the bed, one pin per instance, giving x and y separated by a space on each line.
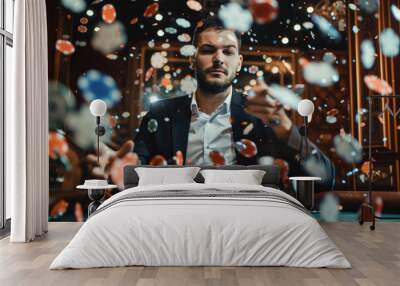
197 224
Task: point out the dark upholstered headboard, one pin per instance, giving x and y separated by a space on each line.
270 179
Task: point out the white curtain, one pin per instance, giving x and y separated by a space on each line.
27 168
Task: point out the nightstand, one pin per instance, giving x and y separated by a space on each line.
304 188
96 191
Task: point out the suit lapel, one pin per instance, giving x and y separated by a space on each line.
180 128
239 118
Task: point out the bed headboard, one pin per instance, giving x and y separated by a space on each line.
270 179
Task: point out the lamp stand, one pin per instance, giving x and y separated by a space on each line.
100 131
98 139
305 136
367 210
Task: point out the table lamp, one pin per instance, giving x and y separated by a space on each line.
305 108
305 185
98 108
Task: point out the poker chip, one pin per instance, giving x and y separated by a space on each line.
326 27
108 13
151 10
320 73
367 53
134 21
82 29
369 6
217 158
395 12
365 167
158 160
149 74
246 148
389 42
284 95
248 129
329 58
188 84
184 38
171 30
331 119
76 6
348 148
58 146
183 23
333 112
65 47
188 50
377 85
329 208
152 125
235 17
264 11
61 102
109 37
96 85
194 5
59 208
84 21
253 69
157 60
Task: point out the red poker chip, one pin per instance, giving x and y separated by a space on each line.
134 21
249 148
377 85
158 160
264 11
151 10
217 158
65 47
58 145
149 74
108 13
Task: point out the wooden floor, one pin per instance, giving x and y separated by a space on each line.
375 257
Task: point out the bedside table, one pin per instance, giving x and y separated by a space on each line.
304 188
96 191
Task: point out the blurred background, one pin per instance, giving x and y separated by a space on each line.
131 53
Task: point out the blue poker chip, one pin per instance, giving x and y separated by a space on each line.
96 85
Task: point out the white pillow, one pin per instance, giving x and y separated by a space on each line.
248 177
163 176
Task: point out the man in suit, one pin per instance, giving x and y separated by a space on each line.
216 117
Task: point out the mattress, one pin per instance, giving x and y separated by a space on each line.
201 225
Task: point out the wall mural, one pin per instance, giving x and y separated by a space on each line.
134 54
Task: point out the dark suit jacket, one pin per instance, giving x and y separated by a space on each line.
172 136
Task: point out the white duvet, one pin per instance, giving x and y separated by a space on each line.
188 231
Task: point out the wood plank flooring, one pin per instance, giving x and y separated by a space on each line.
375 257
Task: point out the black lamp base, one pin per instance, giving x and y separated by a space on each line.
100 130
367 214
305 193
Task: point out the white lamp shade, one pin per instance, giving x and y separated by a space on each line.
305 107
98 107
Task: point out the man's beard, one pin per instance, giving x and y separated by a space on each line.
215 87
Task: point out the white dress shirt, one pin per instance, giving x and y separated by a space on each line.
210 133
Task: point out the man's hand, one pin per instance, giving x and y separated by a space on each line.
269 110
109 159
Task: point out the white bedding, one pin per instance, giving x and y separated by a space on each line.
190 230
